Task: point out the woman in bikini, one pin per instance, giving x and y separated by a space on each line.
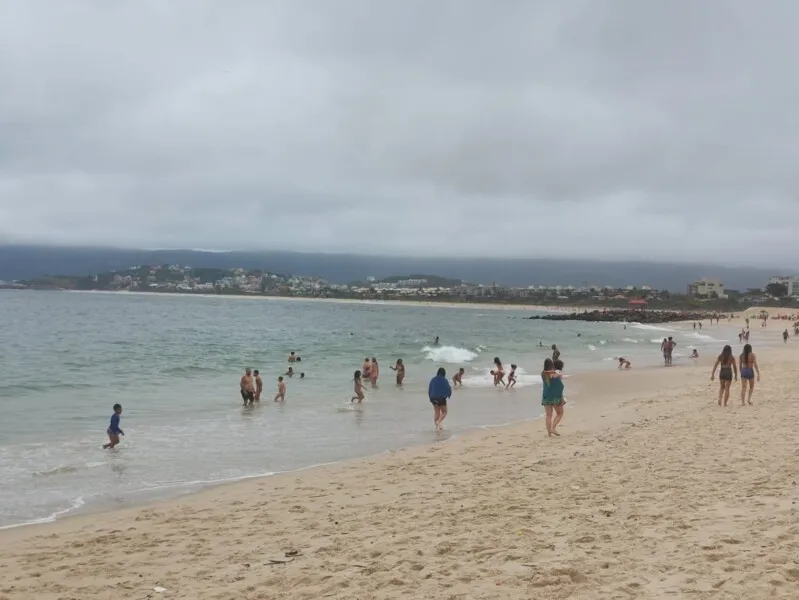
498 372
725 363
359 388
400 369
748 363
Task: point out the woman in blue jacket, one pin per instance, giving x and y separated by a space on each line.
439 392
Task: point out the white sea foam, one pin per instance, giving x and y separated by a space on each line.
591 347
75 505
647 327
484 378
449 354
629 341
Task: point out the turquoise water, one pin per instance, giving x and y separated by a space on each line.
174 364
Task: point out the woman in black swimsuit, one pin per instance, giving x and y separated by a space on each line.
727 369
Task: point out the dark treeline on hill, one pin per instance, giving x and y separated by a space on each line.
27 262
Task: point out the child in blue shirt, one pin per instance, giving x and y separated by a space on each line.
113 429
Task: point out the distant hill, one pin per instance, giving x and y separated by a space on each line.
25 262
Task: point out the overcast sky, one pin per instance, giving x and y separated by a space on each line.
577 128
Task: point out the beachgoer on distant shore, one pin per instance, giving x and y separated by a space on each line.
400 369
725 363
624 363
457 379
511 378
281 390
552 396
439 391
246 386
114 430
359 388
374 373
749 367
259 385
785 336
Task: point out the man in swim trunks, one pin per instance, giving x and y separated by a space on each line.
247 387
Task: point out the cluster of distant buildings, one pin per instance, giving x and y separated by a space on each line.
185 279
709 288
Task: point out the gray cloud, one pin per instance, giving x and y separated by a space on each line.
580 128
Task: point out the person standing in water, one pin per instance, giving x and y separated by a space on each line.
259 385
247 389
457 379
374 373
281 390
114 430
552 396
785 336
555 353
400 369
360 391
366 369
749 367
439 391
725 363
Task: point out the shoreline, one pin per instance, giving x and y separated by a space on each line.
634 498
581 379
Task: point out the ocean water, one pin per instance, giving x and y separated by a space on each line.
174 364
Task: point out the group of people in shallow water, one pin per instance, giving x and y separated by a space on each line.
251 385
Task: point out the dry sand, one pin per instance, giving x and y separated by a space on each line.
653 491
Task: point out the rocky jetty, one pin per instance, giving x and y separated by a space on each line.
622 315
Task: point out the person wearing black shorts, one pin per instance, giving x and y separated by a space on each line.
247 387
439 391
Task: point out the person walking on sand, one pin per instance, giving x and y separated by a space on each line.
114 431
360 390
552 396
749 367
785 336
247 388
400 369
439 391
725 363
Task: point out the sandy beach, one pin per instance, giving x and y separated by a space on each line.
653 491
